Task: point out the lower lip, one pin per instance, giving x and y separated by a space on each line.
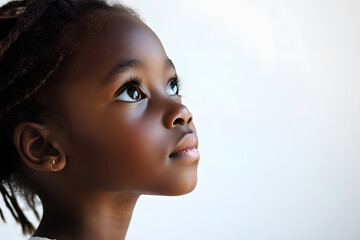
189 153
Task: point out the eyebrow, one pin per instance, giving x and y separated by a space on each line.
124 66
120 68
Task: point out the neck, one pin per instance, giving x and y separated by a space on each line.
90 216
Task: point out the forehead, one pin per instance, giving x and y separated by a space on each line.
128 37
121 38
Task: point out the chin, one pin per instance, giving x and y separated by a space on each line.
172 183
182 187
174 187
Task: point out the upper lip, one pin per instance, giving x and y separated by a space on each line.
188 141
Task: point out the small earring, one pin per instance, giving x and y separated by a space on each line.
52 164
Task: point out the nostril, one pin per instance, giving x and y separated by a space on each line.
181 121
178 121
190 119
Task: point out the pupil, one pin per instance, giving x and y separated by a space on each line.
133 93
174 87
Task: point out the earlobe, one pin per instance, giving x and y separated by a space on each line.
37 147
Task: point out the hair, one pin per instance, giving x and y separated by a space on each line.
33 54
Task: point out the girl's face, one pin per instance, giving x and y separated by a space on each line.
120 136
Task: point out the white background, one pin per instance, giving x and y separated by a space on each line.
274 90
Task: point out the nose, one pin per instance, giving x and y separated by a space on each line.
178 114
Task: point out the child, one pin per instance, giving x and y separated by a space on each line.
91 117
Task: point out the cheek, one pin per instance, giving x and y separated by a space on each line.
134 151
127 150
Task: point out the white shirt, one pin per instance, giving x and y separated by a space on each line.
40 238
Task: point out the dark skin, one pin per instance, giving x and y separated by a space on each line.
110 144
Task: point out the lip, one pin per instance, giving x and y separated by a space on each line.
187 148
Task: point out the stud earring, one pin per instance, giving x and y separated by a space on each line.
52 165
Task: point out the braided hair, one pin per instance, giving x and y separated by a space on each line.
33 55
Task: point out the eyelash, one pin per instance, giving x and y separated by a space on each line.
136 81
178 83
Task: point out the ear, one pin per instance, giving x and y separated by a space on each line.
37 147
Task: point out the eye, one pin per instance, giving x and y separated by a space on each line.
130 91
173 87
